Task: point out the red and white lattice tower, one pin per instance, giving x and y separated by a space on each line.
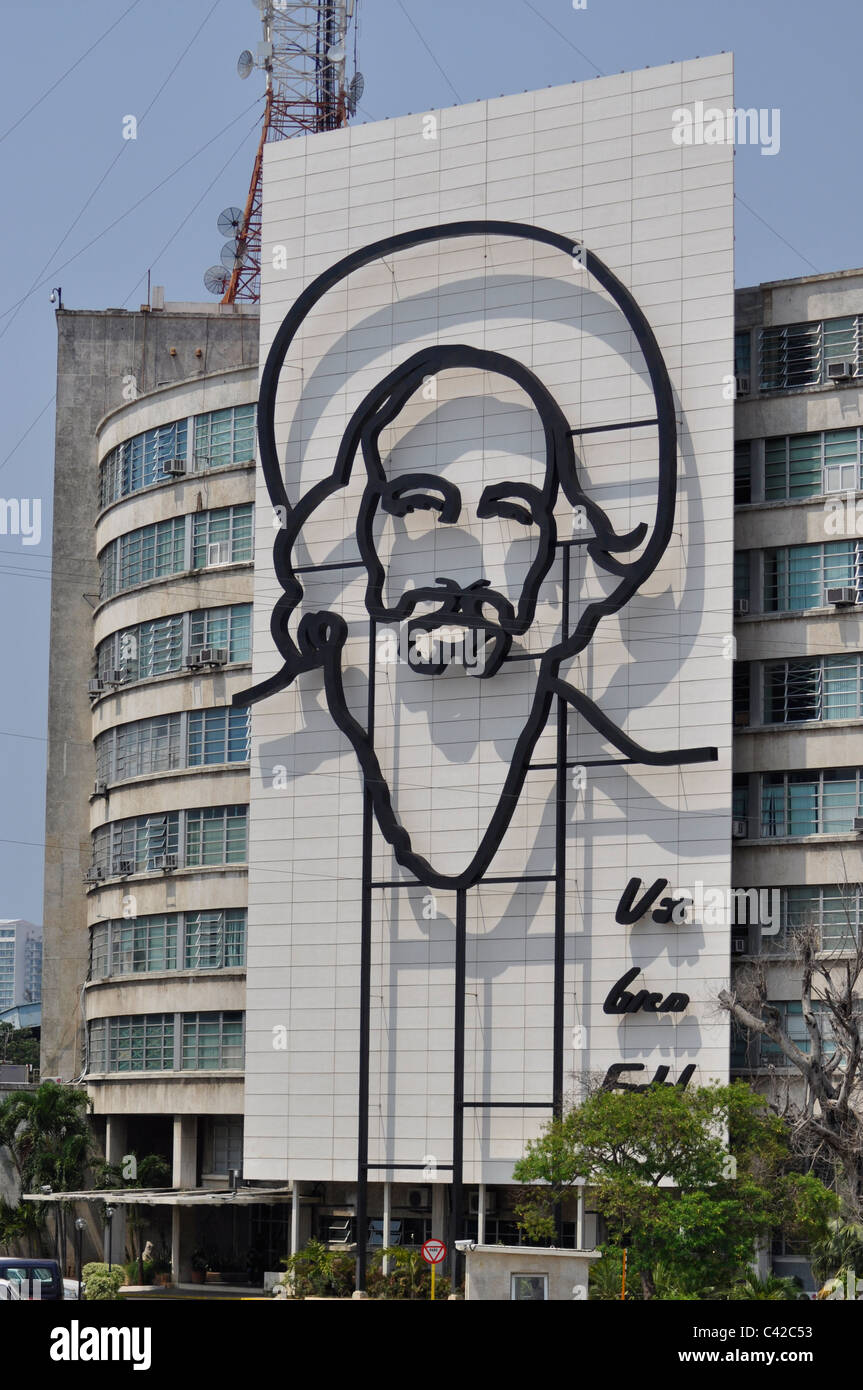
304 53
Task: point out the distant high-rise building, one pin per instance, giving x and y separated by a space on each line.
20 963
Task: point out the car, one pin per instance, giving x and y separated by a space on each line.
31 1280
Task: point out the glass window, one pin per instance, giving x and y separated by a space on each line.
225 436
218 736
216 835
99 951
144 944
796 577
797 355
809 803
230 628
222 536
528 1288
140 461
742 472
212 1041
741 575
140 1042
215 940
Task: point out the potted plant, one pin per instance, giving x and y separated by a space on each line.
162 1272
199 1267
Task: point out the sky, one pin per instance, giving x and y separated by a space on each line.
90 212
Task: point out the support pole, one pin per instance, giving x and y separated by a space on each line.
480 1218
295 1217
386 1234
559 978
361 1232
456 1231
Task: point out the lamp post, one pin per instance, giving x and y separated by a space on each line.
109 1217
80 1225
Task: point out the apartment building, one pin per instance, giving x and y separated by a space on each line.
20 963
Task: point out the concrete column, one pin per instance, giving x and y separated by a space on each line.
295 1217
440 1224
184 1175
579 1220
115 1150
480 1219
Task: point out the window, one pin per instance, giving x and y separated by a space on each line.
809 803
805 465
226 1147
144 944
136 1042
230 628
797 355
822 688
99 951
833 910
741 575
225 436
742 472
528 1288
212 1041
218 736
215 940
743 353
797 576
740 692
192 941
158 648
152 552
130 846
222 536
139 462
216 835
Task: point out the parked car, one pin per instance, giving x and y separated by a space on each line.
31 1280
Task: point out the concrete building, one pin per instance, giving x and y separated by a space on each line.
20 963
145 896
798 752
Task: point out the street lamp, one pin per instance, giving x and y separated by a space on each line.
80 1225
109 1217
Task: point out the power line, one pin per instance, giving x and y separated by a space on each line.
764 221
133 208
32 426
117 157
428 51
62 78
565 37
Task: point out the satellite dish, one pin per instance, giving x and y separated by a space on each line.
336 54
216 279
356 87
245 63
230 221
232 255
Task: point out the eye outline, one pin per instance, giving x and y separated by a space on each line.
496 501
447 504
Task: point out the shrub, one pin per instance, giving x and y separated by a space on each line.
101 1283
319 1272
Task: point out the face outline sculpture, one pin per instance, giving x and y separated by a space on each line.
321 637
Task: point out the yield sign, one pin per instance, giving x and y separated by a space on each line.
433 1252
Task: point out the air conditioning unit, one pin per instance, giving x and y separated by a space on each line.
739 830
419 1199
219 553
173 468
490 1203
842 598
95 687
840 370
122 867
741 607
100 788
117 676
739 945
857 825
742 385
94 874
211 656
164 862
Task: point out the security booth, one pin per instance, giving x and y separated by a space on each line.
526 1273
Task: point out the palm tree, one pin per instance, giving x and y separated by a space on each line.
839 1252
48 1138
771 1287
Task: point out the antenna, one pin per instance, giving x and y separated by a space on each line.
216 279
304 53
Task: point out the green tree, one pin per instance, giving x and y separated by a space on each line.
687 1180
48 1139
19 1045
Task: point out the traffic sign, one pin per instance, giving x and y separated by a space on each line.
433 1252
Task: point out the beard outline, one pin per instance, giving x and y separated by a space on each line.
321 636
